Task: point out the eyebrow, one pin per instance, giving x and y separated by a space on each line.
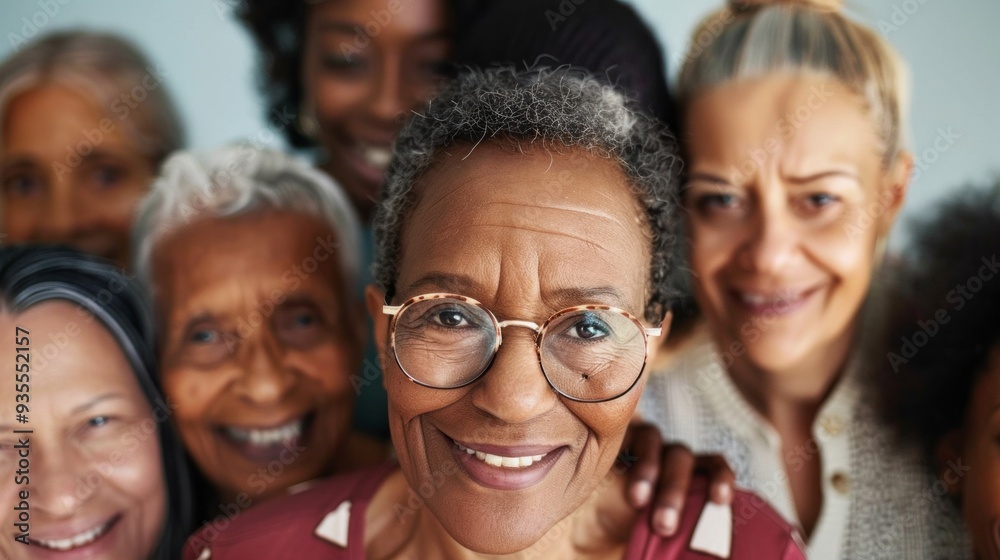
708 178
351 27
462 285
98 154
455 283
17 162
609 295
823 175
95 401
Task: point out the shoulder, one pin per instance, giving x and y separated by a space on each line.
304 525
749 528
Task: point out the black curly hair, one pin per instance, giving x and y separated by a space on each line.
945 322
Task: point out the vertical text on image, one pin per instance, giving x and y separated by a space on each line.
22 400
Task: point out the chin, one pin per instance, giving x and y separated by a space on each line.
499 539
776 354
497 531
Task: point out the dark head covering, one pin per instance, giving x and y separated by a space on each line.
31 275
605 37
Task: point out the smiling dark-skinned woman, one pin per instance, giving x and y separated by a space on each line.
514 345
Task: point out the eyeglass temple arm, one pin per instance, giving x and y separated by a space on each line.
653 331
391 309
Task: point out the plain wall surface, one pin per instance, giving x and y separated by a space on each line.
952 49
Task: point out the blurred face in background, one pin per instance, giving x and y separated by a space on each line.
979 480
787 198
367 64
96 488
258 348
70 173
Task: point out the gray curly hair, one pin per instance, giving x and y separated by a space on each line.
554 108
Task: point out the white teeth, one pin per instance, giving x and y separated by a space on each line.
376 157
753 299
271 436
504 462
82 539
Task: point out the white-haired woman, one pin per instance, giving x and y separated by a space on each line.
86 123
250 257
794 120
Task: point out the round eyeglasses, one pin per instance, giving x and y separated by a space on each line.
588 353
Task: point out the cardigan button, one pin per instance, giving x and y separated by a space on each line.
840 482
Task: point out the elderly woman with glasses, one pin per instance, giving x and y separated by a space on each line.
513 343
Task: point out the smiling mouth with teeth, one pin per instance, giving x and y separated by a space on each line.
502 462
77 541
262 445
376 157
271 436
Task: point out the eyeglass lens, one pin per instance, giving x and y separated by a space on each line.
587 354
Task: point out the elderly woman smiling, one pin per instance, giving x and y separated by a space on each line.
250 258
513 344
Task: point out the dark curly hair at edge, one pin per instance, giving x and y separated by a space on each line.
930 385
551 109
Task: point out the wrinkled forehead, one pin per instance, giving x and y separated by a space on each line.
538 178
543 210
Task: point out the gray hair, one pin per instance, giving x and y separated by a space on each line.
112 72
239 180
754 38
554 109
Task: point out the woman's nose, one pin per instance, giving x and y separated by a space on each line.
514 389
63 478
265 380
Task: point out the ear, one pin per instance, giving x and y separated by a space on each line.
895 185
654 343
375 299
947 453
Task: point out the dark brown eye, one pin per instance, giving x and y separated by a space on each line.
299 325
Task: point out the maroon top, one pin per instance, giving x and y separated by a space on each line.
286 527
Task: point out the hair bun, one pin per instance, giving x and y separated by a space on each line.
819 5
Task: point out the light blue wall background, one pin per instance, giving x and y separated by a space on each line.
951 46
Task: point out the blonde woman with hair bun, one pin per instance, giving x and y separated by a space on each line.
794 120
